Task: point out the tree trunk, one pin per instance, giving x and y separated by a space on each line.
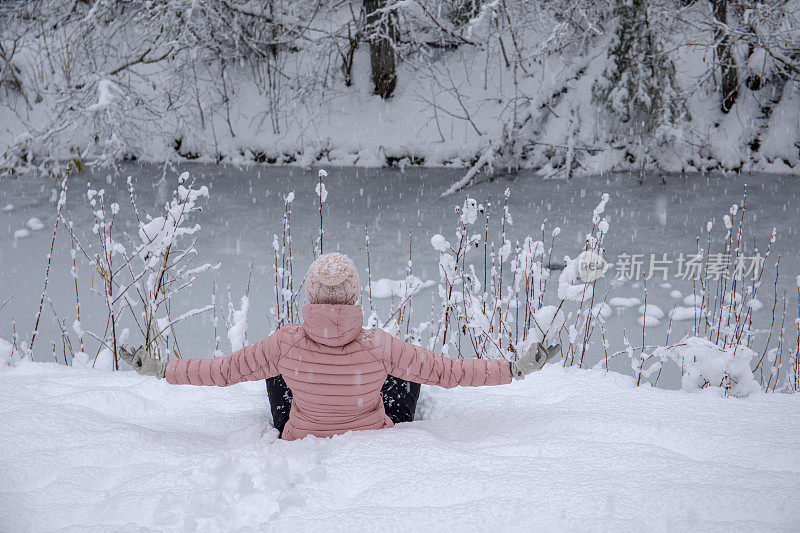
729 81
382 29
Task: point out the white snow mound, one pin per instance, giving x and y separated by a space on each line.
624 302
35 224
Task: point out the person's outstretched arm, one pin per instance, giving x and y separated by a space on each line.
420 365
254 362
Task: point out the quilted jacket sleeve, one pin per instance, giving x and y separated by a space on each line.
417 364
254 362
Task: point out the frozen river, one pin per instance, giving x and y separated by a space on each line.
246 205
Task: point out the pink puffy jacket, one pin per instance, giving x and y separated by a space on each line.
335 370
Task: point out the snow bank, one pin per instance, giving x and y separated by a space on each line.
446 110
562 450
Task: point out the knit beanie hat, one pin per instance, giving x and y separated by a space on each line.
333 279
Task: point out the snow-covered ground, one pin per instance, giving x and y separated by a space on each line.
564 450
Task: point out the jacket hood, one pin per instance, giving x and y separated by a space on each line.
332 324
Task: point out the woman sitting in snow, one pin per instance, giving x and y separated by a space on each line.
333 367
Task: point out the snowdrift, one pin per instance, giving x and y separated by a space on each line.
88 450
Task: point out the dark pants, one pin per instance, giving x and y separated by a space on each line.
399 400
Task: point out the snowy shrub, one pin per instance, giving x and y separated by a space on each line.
141 277
721 310
720 349
492 293
570 287
705 365
638 85
793 376
166 262
548 321
493 298
286 308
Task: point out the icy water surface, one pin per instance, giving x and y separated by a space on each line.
246 206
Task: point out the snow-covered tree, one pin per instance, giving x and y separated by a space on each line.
382 30
638 85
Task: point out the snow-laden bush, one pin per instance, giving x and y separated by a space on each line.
493 298
706 364
140 276
493 303
492 293
638 84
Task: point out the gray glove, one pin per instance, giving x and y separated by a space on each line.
534 359
141 361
